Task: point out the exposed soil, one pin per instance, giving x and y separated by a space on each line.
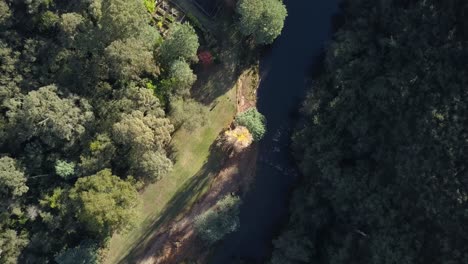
176 241
247 90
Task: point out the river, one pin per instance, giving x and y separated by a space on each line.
283 69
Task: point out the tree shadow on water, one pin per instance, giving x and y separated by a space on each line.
186 195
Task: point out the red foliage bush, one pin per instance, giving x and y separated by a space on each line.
205 58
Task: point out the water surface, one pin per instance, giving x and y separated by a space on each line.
283 69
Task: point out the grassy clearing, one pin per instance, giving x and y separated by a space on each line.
165 199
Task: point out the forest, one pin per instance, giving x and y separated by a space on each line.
383 147
91 94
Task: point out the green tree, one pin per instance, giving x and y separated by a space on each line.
65 169
188 114
84 253
261 19
48 21
142 132
70 24
134 97
130 58
105 203
214 224
44 114
12 179
254 121
5 13
11 245
10 77
123 19
34 6
181 43
100 154
151 166
183 78
126 100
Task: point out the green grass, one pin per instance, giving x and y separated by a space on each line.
166 199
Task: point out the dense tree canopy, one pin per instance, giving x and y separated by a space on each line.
130 58
384 146
123 19
71 72
44 114
261 19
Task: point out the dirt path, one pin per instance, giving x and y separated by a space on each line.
176 241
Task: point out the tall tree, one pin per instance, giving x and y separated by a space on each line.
99 156
130 58
11 244
84 253
55 120
261 19
182 78
181 43
142 132
151 166
12 179
123 19
105 203
5 13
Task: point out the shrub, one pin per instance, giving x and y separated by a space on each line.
215 223
254 121
150 5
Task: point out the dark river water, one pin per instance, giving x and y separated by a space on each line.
283 68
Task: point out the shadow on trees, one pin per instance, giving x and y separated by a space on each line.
191 190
